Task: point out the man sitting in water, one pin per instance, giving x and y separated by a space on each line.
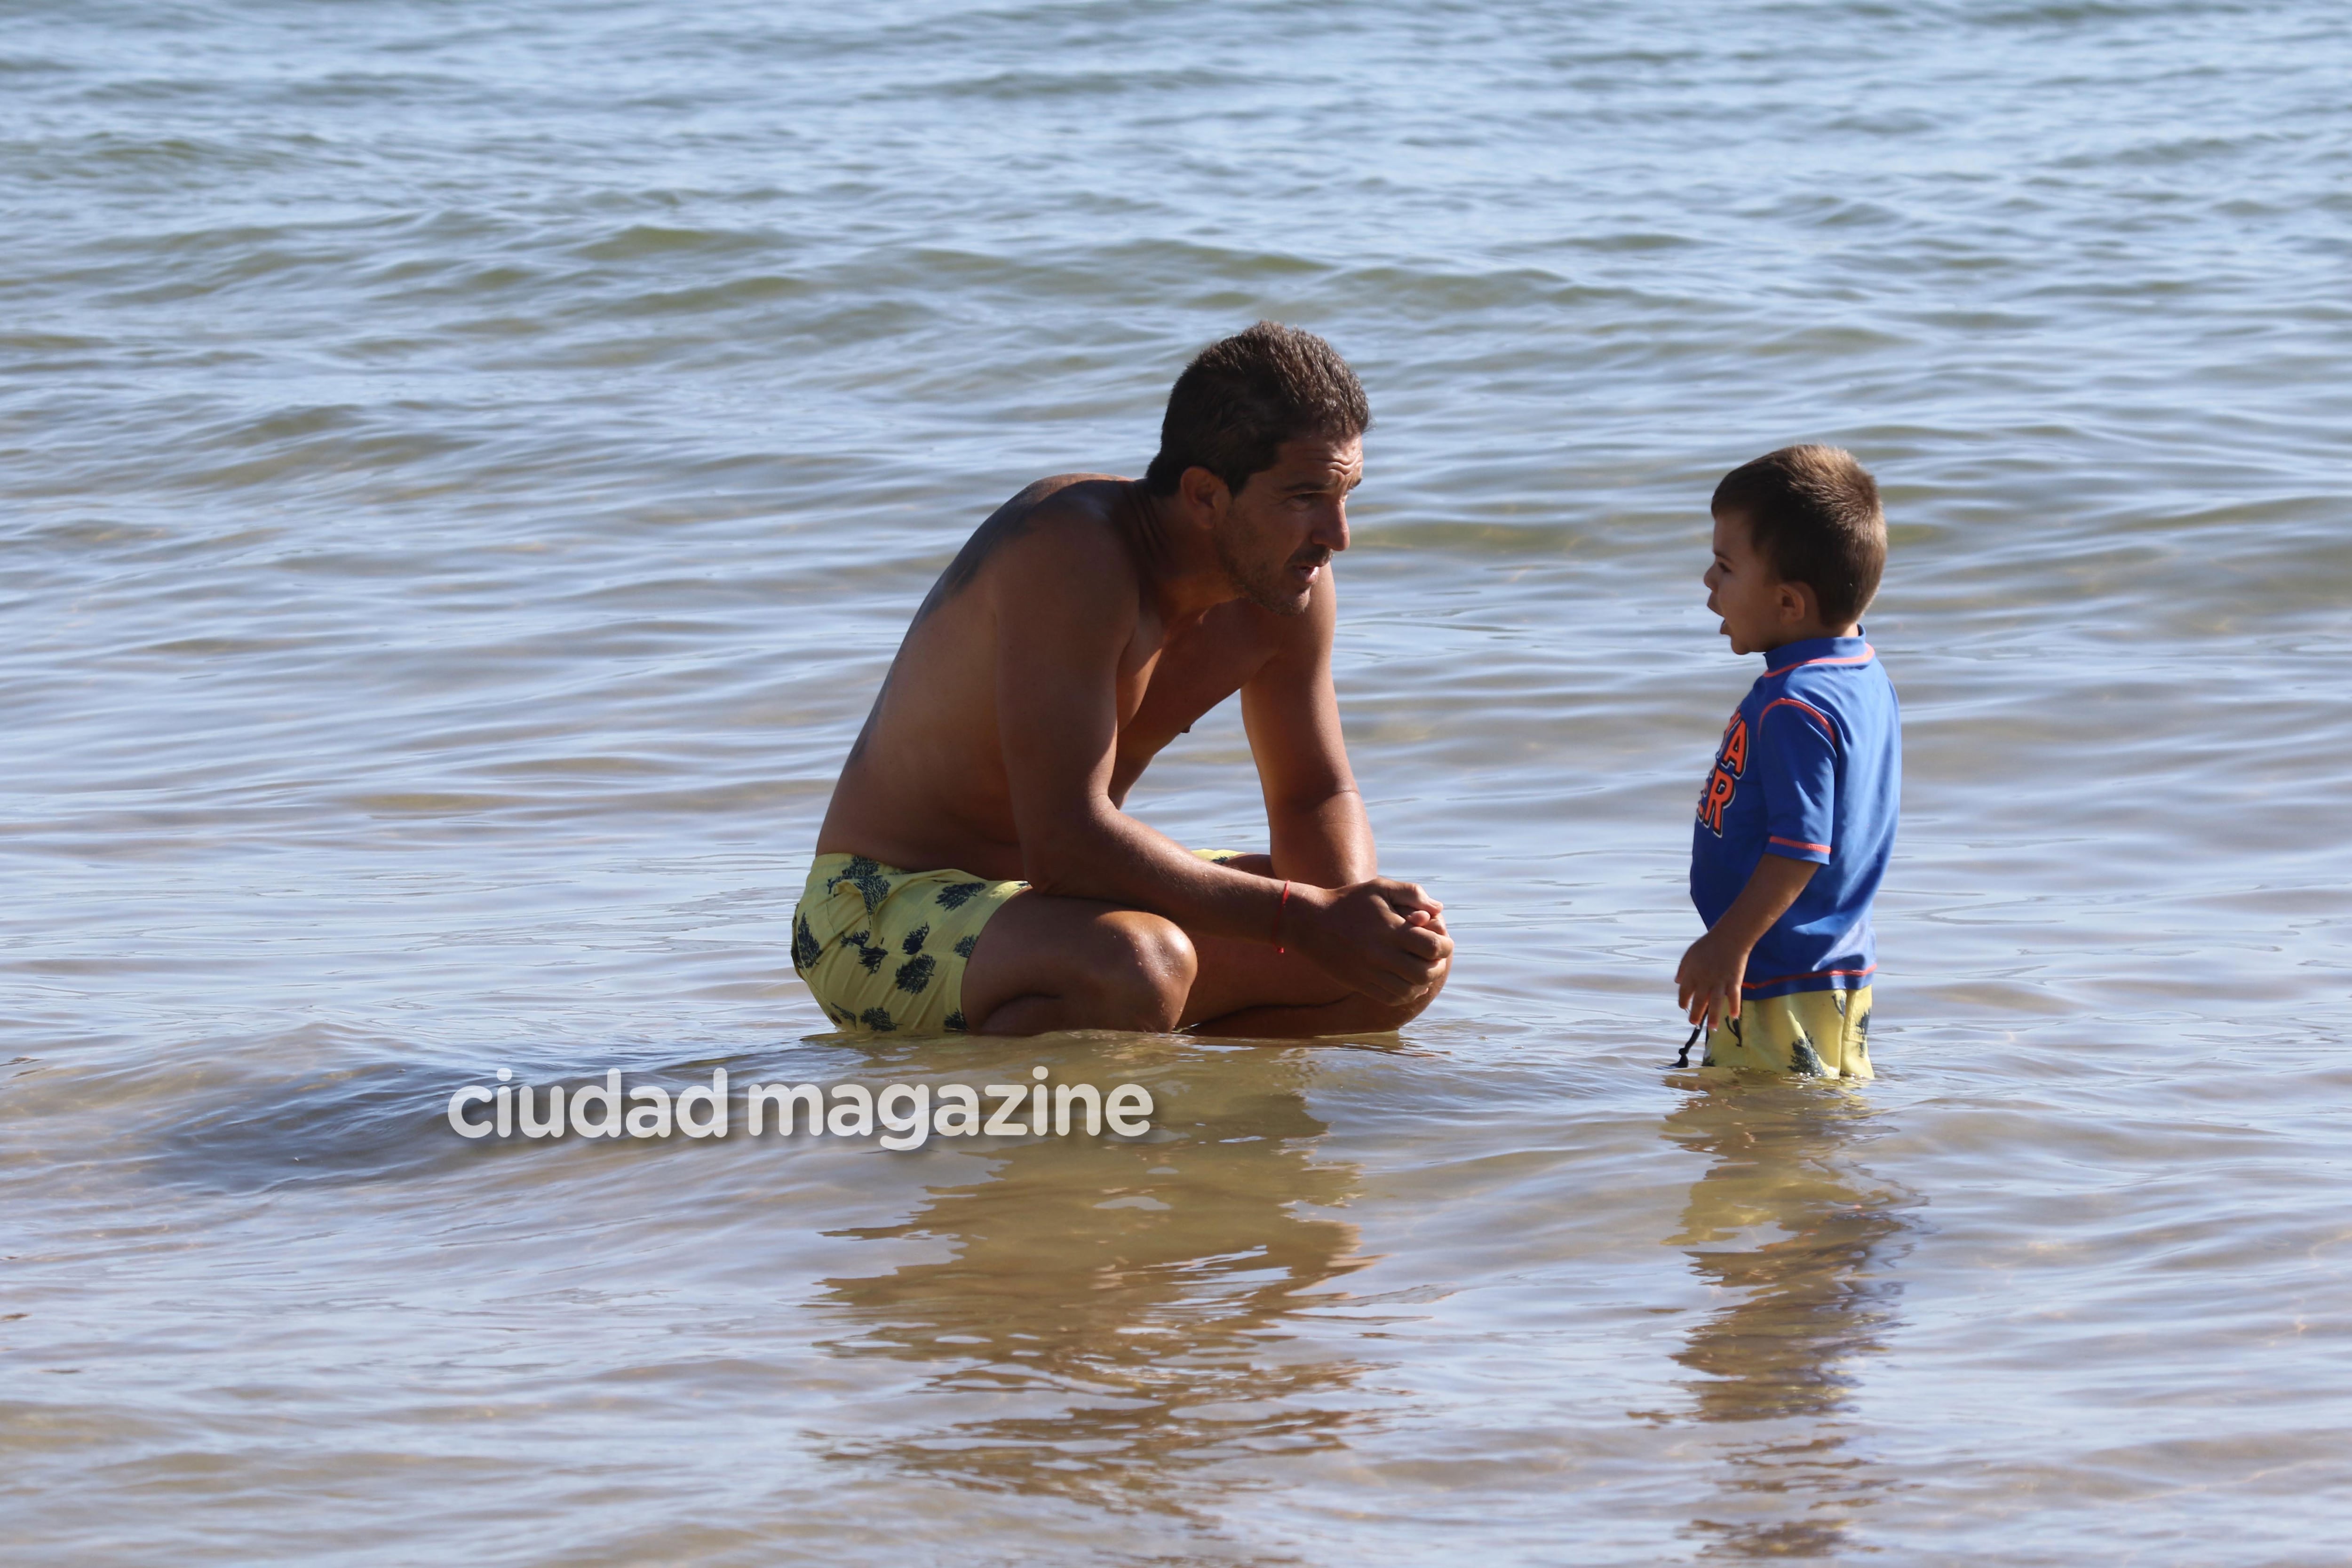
1085 626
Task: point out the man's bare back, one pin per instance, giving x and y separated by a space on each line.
1086 625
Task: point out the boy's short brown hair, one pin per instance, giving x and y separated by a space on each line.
1812 514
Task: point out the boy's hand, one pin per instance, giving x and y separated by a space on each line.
1707 983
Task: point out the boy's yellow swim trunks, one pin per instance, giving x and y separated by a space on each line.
884 950
1810 1034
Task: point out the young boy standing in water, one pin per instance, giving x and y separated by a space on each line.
1797 817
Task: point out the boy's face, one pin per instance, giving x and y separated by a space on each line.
1760 611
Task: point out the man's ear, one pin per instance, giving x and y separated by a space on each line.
1203 494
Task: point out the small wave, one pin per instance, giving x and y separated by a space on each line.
651 241
1029 85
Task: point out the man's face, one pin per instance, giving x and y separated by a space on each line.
1280 532
1742 588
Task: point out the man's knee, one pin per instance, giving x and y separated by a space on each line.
1141 973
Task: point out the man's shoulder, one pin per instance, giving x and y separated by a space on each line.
1070 538
1071 512
1058 533
1074 494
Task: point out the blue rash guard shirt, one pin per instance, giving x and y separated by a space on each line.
1811 768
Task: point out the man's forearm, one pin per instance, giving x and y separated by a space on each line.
1108 854
1326 843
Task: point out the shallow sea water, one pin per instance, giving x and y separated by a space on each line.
464 468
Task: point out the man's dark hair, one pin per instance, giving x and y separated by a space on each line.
1812 514
1245 395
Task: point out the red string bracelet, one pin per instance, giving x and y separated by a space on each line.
1278 947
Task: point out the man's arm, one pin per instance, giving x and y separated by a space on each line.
1314 818
1066 617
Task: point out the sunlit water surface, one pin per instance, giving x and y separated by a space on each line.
464 468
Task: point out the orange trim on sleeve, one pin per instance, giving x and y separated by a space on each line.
1797 844
1818 716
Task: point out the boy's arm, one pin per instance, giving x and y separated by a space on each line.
1795 764
1707 984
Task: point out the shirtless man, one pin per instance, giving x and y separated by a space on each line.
1086 625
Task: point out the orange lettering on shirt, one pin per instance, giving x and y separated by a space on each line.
1719 790
1733 760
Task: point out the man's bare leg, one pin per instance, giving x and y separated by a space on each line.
1045 962
1246 990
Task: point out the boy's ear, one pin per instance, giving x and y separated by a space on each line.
1797 602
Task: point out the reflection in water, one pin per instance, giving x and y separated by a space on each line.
1112 1318
1789 1220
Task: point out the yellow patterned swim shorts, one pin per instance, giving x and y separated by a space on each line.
1808 1034
884 950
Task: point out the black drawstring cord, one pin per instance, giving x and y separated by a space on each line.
1683 1060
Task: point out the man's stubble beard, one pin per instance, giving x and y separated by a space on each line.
1266 588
